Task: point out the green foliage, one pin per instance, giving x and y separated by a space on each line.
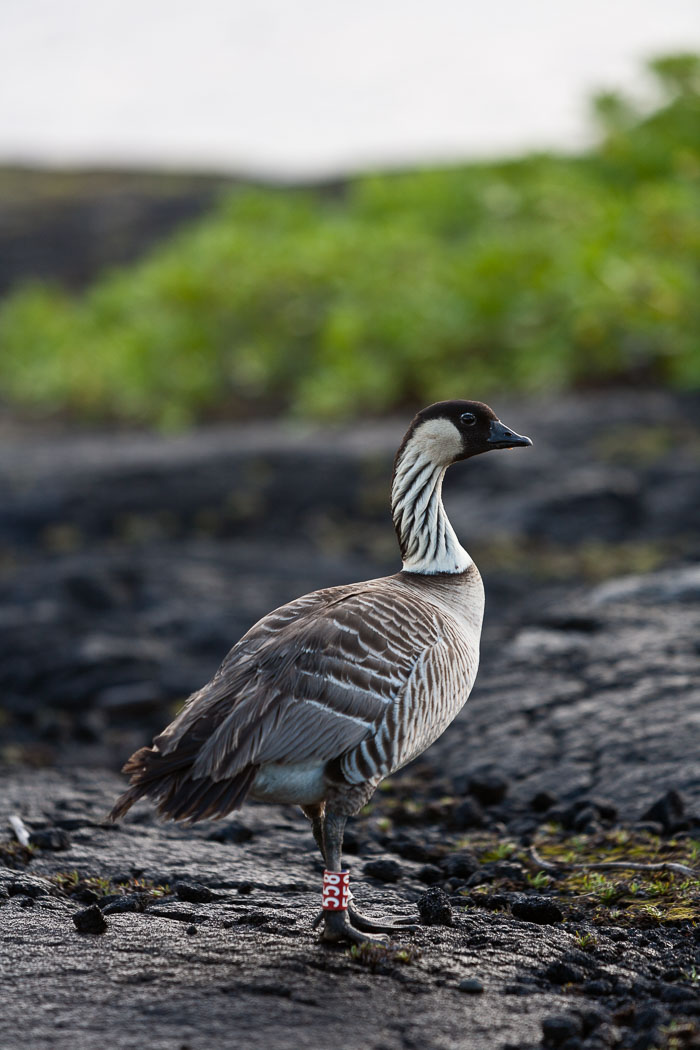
537 273
540 880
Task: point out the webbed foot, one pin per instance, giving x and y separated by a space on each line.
352 925
384 924
337 927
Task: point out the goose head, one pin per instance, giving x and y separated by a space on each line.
449 431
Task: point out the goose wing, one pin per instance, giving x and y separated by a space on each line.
311 680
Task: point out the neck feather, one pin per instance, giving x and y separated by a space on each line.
427 540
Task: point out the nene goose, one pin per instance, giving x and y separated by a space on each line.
326 696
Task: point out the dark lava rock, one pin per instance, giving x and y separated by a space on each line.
667 811
542 801
585 813
597 988
586 821
383 870
193 892
27 886
90 920
430 874
467 814
236 833
675 994
506 869
558 1028
492 901
253 918
191 930
409 849
591 1018
86 896
50 838
134 698
489 788
461 864
561 973
609 509
434 908
126 903
646 1017
471 985
89 592
541 910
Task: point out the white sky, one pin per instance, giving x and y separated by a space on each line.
309 87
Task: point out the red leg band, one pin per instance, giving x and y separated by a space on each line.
336 890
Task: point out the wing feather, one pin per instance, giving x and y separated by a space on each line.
311 680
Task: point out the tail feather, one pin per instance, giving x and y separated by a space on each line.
167 780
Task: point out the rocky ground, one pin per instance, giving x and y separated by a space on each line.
131 563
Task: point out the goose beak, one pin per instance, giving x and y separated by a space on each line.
501 437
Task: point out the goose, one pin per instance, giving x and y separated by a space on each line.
329 694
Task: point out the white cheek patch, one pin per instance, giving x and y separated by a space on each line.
438 440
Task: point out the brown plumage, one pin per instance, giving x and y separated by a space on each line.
327 695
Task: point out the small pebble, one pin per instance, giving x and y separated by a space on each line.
50 838
127 902
561 973
410 850
542 801
193 892
86 896
383 870
667 810
191 930
466 815
461 864
597 989
558 1028
430 874
434 908
489 788
89 920
541 910
231 834
472 985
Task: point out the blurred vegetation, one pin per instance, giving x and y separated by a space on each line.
545 271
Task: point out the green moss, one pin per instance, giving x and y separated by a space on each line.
380 958
625 898
72 882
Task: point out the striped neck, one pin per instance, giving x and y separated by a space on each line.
427 540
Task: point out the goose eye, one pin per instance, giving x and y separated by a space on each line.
468 418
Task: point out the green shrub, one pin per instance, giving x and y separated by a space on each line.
536 273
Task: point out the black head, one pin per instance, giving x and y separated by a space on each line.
455 430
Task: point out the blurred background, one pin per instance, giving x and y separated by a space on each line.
241 243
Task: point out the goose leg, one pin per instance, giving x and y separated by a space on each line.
336 924
349 923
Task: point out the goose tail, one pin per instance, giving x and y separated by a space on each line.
167 780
